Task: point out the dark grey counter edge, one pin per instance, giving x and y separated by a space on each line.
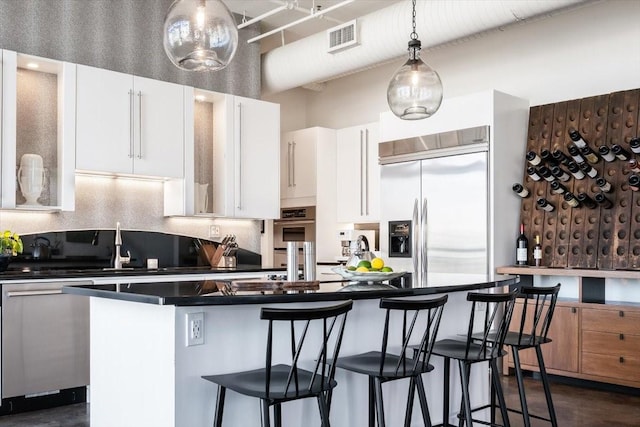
94 291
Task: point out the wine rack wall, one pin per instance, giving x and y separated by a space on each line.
583 237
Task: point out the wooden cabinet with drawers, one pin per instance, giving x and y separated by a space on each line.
611 344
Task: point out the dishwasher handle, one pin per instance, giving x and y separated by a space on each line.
34 292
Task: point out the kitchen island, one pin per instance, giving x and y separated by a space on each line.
145 372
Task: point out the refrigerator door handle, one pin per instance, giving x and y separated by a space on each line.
415 241
424 246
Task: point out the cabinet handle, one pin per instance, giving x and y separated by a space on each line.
140 124
288 164
366 170
130 124
621 313
239 160
35 292
621 337
293 163
573 310
361 172
621 359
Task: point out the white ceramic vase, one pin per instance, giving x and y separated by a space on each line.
31 178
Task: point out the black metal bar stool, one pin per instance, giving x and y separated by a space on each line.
381 366
276 384
538 305
478 347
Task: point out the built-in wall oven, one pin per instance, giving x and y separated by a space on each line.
295 225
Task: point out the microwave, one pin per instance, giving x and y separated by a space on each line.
295 225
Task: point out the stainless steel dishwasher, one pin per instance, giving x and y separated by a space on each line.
45 339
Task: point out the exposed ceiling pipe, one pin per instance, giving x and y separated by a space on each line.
294 6
384 35
301 20
263 16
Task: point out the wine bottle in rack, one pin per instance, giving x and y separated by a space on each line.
546 173
533 173
577 139
620 152
545 204
560 174
558 188
634 182
575 153
533 158
575 170
571 199
606 154
634 143
522 249
560 157
586 200
634 166
520 190
537 252
590 155
586 168
605 186
603 201
546 157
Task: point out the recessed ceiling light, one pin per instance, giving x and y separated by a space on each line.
32 65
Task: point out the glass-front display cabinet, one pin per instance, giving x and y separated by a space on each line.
38 133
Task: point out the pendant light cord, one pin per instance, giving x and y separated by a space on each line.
414 35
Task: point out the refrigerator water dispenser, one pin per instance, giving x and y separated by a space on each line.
400 239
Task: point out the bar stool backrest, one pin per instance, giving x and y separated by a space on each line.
331 320
538 305
421 312
498 308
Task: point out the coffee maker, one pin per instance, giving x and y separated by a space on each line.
349 238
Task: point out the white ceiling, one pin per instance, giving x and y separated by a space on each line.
299 9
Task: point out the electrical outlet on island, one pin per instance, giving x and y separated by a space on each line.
195 329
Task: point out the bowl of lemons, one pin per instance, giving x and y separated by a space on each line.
368 271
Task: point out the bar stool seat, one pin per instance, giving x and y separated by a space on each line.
383 366
279 383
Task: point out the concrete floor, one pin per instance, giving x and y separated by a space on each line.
575 407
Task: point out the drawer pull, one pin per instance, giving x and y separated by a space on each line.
621 337
621 359
573 310
621 313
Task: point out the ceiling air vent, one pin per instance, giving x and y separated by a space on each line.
342 36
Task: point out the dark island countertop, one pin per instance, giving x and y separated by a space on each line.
195 293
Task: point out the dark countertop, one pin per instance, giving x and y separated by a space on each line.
43 273
194 293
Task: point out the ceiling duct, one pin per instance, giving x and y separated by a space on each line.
383 37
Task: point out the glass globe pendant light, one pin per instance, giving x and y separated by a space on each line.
200 35
415 90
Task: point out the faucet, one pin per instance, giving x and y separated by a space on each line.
118 260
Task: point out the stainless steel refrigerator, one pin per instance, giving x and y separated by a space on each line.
435 206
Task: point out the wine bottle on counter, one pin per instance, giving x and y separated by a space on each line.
586 168
575 153
571 199
575 170
522 250
537 252
634 182
560 157
577 138
520 190
586 200
544 204
546 157
603 201
620 152
590 155
604 185
606 154
533 173
546 173
635 145
558 188
533 158
560 174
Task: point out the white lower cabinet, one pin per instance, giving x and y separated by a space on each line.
358 174
129 125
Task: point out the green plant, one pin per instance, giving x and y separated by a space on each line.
10 243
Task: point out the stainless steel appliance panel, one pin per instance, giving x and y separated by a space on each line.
45 339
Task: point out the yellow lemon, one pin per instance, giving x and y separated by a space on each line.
377 263
362 269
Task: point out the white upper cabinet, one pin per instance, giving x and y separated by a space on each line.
129 125
298 164
358 174
38 135
231 159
